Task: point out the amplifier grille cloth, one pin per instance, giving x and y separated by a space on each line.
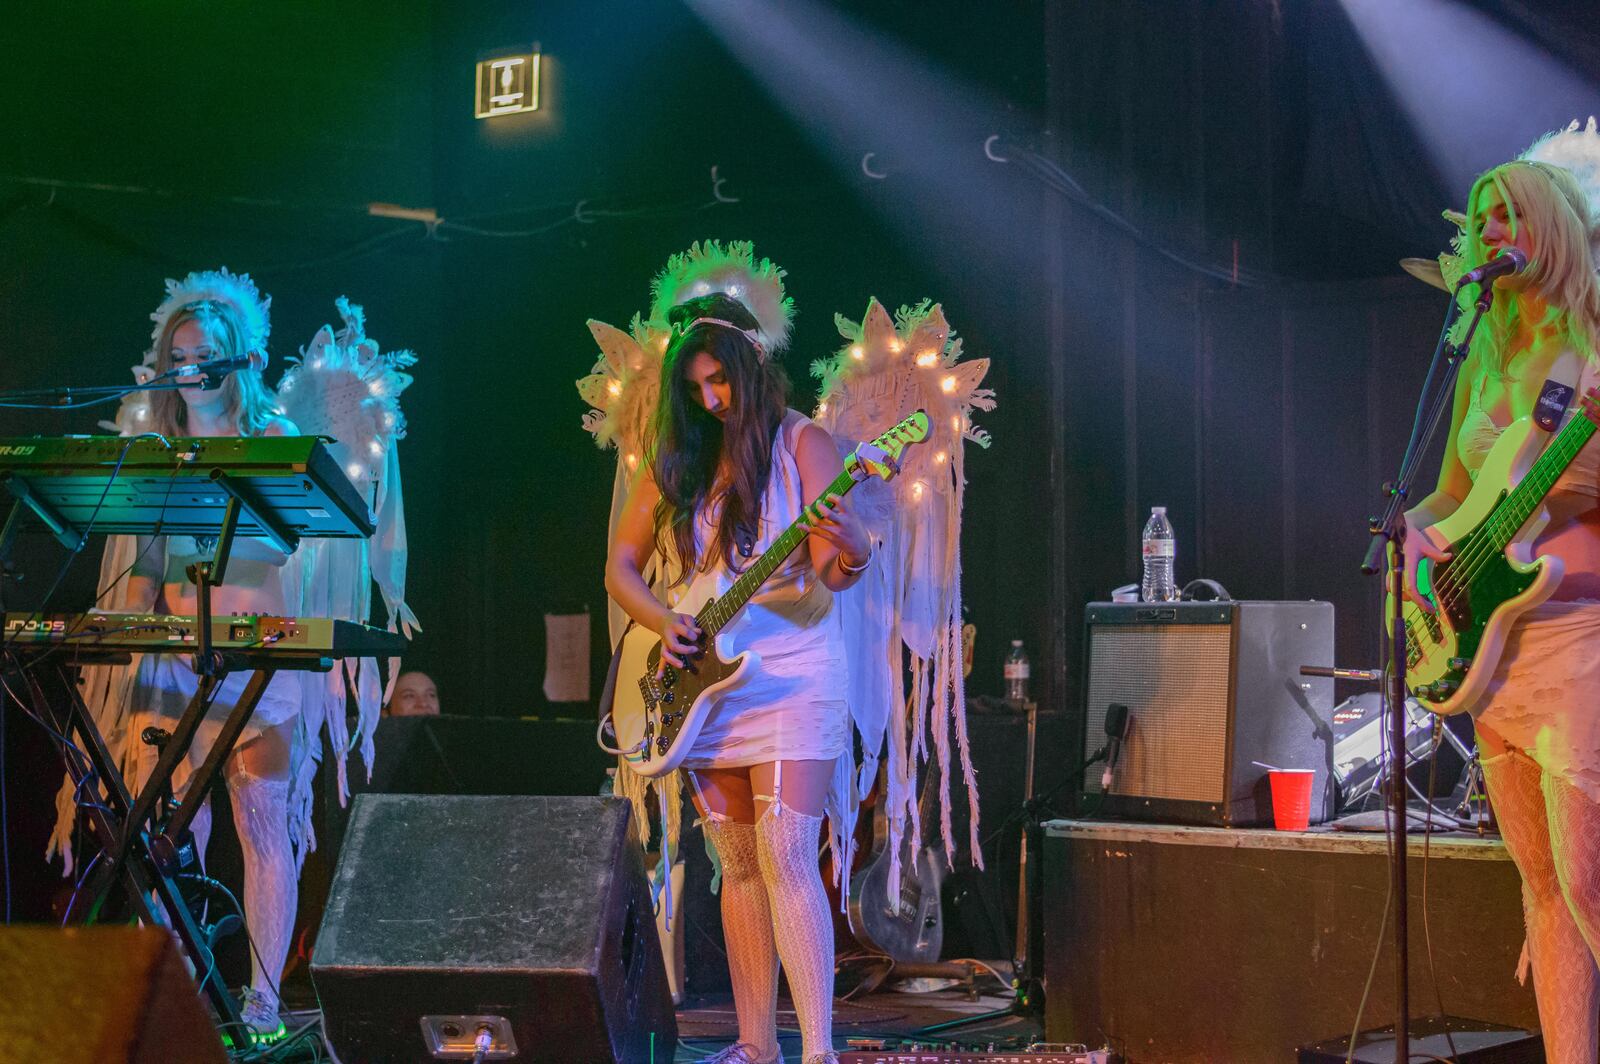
1174 680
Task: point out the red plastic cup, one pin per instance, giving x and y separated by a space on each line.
1291 798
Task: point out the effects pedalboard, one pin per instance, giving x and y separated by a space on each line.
874 1051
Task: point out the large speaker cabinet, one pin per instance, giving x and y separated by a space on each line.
1214 692
529 914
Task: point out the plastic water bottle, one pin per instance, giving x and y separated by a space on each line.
1160 550
1017 673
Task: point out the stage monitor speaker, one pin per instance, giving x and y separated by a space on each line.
100 995
1213 693
529 917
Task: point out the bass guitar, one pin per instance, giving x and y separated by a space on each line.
655 710
1491 577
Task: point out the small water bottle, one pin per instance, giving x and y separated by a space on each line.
1160 550
1017 673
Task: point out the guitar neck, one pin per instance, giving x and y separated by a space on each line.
1520 504
717 613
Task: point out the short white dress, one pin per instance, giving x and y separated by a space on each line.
792 708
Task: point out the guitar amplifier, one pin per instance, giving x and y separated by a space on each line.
1213 693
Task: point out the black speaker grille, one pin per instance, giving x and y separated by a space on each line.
464 883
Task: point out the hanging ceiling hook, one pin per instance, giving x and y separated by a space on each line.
717 182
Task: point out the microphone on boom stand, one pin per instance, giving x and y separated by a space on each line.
1508 262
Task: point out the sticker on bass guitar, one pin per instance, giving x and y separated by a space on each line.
1552 404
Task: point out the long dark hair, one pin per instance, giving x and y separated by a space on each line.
689 442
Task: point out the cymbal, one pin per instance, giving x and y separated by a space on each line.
1426 271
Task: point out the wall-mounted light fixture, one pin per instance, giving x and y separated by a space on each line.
508 85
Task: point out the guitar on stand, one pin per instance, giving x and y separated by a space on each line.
282 488
903 930
905 925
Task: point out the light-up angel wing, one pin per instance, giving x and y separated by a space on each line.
621 392
887 369
342 387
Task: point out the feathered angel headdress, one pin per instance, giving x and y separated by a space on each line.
622 388
1575 149
734 270
235 289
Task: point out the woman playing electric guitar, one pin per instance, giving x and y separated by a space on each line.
729 469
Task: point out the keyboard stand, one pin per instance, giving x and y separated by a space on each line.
270 485
103 797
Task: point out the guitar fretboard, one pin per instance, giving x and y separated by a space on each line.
719 611
1520 504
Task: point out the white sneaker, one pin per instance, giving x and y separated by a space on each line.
742 1053
259 1012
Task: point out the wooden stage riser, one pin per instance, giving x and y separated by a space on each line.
1204 944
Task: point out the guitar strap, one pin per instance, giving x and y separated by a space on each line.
1555 396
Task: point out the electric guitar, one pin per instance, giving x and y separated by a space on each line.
655 710
905 925
908 928
1492 577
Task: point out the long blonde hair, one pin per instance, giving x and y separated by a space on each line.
1549 202
251 405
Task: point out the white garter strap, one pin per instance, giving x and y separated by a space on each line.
710 814
715 816
775 799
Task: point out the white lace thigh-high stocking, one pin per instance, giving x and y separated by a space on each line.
271 890
199 824
1575 841
786 842
1564 977
747 929
200 827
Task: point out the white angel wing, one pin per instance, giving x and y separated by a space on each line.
343 387
911 597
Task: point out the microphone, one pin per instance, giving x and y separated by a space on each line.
216 368
1117 719
1508 262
